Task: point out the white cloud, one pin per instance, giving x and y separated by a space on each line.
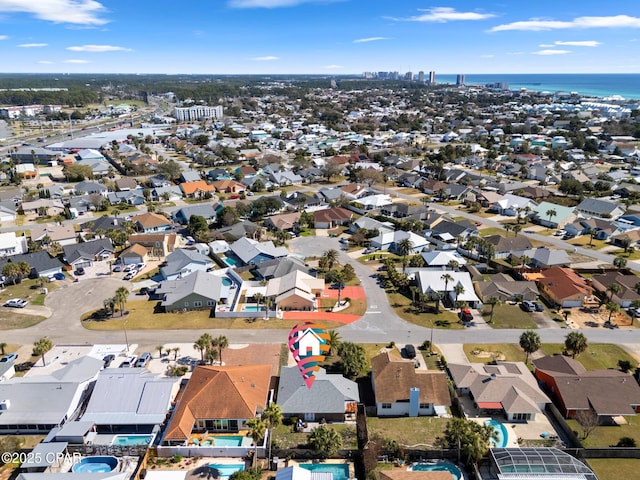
76 61
32 45
582 43
45 62
369 39
268 58
98 48
487 55
551 52
332 67
536 25
271 3
547 45
82 12
443 15
4 37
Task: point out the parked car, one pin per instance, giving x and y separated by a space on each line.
128 268
117 268
16 303
466 315
9 357
107 359
130 275
143 360
528 306
410 350
538 307
80 271
344 240
129 362
140 266
59 276
336 286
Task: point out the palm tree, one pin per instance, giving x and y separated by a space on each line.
256 430
334 341
258 297
404 248
551 213
221 342
436 296
447 278
508 227
122 294
332 257
517 229
613 289
211 355
23 269
576 343
592 232
619 262
453 264
272 415
493 301
524 260
529 342
612 307
159 348
42 346
459 289
3 347
268 303
175 353
203 344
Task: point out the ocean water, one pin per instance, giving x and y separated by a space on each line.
626 85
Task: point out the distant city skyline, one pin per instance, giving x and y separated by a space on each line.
318 36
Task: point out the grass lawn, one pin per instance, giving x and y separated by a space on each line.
606 436
485 232
508 316
357 306
614 468
285 437
598 356
11 320
28 289
629 256
408 431
510 351
142 317
147 275
404 309
584 240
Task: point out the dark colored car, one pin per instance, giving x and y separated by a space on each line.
410 350
80 271
336 286
538 307
466 315
108 359
59 276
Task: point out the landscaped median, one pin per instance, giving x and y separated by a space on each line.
141 315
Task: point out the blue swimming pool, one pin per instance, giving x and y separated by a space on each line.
95 465
251 308
232 262
226 282
442 466
340 471
502 434
130 440
225 470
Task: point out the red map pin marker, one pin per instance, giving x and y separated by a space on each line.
309 345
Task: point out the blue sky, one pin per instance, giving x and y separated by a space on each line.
319 36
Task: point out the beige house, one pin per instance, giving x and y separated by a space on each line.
295 291
158 244
62 234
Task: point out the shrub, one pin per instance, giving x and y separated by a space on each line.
626 442
177 458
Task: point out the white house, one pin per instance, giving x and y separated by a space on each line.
10 244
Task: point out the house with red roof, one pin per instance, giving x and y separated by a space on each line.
332 217
565 288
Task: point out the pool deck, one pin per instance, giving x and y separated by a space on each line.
326 462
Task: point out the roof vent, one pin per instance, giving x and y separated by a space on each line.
5 404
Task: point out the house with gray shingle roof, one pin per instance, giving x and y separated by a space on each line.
600 208
196 291
181 262
253 252
205 210
84 254
331 397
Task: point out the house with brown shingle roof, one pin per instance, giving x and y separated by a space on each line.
628 287
228 186
563 287
196 189
400 389
151 222
219 399
607 393
284 221
136 253
332 217
404 474
157 244
354 190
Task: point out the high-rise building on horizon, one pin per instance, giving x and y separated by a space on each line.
408 76
460 80
432 78
197 112
421 76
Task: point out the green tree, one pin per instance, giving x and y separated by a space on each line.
203 344
272 415
42 346
332 258
447 278
3 347
459 290
404 248
353 359
619 262
325 440
197 226
334 341
529 342
575 343
77 173
121 296
221 342
160 349
11 270
493 301
612 307
348 272
551 213
170 169
256 429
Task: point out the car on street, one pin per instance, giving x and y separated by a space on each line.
9 357
16 303
528 306
80 271
130 275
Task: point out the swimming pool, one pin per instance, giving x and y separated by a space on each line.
503 434
226 282
251 308
226 440
225 470
340 471
95 465
130 440
232 262
440 466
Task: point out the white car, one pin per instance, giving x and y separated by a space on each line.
16 303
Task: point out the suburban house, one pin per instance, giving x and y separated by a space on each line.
598 207
130 197
196 291
48 206
607 393
25 412
169 193
136 253
443 258
374 202
141 405
158 244
204 210
368 223
505 245
510 205
354 190
85 253
295 291
331 217
279 267
124 184
331 397
284 221
181 262
49 233
507 387
506 289
219 399
228 186
390 240
628 287
400 389
430 281
543 257
151 222
252 252
11 244
563 215
563 287
90 188
602 229
41 263
630 237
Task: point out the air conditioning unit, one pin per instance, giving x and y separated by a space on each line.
5 404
